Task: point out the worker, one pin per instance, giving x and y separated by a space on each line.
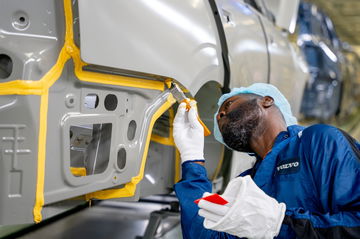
304 184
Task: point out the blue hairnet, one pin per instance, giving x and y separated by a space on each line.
261 89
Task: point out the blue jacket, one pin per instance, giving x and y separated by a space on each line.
314 171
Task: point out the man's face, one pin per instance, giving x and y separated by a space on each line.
239 119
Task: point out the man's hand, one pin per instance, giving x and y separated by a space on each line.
188 133
250 212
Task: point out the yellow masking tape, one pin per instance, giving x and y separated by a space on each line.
78 171
118 80
129 189
21 87
166 140
39 196
177 166
171 121
29 87
162 140
42 86
170 142
100 78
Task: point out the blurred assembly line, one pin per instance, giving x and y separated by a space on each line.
332 88
86 110
351 92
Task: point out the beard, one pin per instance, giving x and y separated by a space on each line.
242 124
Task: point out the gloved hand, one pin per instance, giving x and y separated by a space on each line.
188 133
250 212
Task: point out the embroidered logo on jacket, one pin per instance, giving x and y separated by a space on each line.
288 166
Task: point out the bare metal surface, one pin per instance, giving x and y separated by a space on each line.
176 39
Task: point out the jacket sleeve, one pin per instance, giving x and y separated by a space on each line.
192 186
336 173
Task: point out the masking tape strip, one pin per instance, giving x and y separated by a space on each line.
78 171
95 77
177 166
39 196
20 87
162 140
171 121
169 141
41 87
101 78
30 87
129 189
177 153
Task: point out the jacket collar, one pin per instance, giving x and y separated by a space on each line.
291 132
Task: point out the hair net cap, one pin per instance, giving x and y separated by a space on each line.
261 89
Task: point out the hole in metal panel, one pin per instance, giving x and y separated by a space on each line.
89 148
6 66
70 100
131 130
20 20
91 101
121 158
110 102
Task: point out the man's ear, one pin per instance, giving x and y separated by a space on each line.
267 101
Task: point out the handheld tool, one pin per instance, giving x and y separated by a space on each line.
214 198
181 97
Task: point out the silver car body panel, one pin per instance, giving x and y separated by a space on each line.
284 12
288 69
157 37
246 43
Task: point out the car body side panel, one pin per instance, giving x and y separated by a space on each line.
176 39
288 71
32 37
37 117
246 43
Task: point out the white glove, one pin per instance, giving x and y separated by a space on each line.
188 133
250 212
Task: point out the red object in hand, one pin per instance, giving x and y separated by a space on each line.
214 198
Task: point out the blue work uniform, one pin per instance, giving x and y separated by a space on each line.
315 171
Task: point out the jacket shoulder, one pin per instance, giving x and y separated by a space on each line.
321 140
320 131
328 143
